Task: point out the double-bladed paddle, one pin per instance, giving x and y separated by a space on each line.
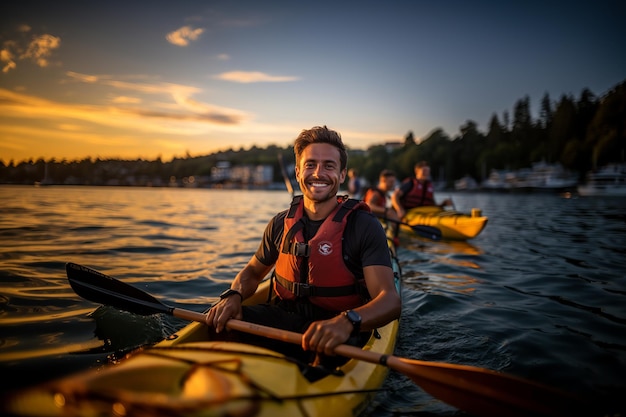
429 232
478 391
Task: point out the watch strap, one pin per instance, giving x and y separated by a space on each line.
230 292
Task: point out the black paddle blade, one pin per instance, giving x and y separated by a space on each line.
429 232
99 288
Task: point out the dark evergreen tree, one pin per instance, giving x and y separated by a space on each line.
545 113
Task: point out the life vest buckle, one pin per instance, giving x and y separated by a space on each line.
302 289
301 249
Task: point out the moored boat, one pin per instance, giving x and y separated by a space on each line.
190 375
541 177
453 224
610 181
467 183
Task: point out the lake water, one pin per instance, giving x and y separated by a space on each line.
540 293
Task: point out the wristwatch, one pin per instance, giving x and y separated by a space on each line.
230 292
354 318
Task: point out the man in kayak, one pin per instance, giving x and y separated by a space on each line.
333 273
376 198
416 191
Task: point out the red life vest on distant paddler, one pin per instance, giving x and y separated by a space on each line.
315 269
420 194
381 193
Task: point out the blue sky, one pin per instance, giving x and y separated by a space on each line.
166 78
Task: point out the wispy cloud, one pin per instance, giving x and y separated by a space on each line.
141 87
183 35
82 77
8 59
245 77
39 49
181 96
128 111
126 100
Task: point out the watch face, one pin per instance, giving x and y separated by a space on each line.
353 316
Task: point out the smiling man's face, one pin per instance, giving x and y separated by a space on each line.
319 172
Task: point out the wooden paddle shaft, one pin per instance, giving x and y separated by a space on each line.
477 390
277 334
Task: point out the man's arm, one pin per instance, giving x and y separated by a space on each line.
385 304
246 282
395 202
446 202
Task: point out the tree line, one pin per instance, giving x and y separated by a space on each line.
581 133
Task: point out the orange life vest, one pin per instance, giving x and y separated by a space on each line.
325 279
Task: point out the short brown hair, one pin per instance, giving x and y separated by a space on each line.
387 173
321 134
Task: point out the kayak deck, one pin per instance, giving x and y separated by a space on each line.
454 225
205 379
189 375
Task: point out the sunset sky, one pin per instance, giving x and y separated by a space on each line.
143 79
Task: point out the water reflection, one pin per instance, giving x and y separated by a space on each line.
439 266
432 283
442 247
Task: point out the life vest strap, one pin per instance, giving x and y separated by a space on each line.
302 289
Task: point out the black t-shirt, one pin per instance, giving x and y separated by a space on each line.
406 186
364 243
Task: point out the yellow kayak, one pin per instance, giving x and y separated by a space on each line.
190 375
453 224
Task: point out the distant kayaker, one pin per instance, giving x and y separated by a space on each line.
416 191
333 273
377 198
354 183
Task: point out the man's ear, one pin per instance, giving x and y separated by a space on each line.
342 175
